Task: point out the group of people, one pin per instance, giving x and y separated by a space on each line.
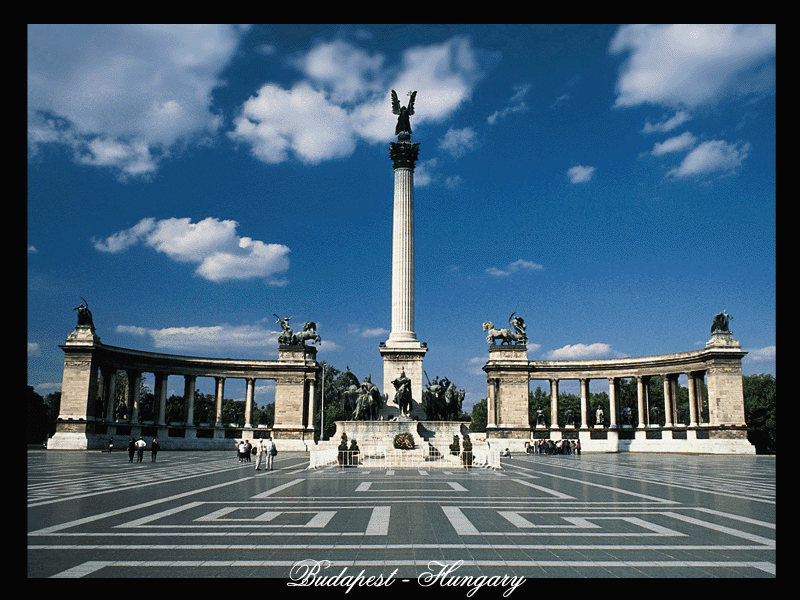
137 447
262 449
553 447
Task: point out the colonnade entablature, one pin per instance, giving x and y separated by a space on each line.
718 365
90 377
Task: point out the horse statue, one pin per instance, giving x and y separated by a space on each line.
453 400
402 396
442 400
369 402
309 332
514 335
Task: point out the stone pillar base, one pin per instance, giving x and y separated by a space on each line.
395 361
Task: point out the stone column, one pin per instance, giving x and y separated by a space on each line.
491 402
640 387
692 400
699 392
584 403
220 391
109 391
161 397
134 385
613 384
189 385
402 352
248 402
312 403
667 401
554 403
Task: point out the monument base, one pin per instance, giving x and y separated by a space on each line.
403 358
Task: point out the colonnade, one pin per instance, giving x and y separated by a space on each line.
718 365
108 385
90 377
643 406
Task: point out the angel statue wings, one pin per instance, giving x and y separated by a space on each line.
404 112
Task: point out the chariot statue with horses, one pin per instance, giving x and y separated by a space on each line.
289 338
515 334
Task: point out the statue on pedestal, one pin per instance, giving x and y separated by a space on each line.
403 129
285 338
720 324
289 338
402 396
442 400
84 314
514 335
369 402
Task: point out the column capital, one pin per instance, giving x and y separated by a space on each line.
404 154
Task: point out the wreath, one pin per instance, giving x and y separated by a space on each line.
404 441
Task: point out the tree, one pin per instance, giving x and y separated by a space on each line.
759 411
538 400
480 414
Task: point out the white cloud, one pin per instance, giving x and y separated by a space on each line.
678 143
693 65
710 157
124 96
206 338
345 98
669 124
300 122
584 351
220 253
515 104
457 142
367 332
580 174
766 354
33 349
519 265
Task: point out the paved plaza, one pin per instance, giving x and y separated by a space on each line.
204 514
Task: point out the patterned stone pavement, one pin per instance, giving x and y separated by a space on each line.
203 514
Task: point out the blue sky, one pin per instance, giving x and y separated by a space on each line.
613 185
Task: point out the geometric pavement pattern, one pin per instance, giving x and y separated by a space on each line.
204 514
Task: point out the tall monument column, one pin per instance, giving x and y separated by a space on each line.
402 352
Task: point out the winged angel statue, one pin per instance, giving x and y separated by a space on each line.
404 112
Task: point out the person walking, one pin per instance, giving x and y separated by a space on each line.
259 446
242 449
154 450
140 446
131 449
270 451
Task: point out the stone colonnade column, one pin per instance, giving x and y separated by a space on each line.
554 403
189 386
584 403
219 392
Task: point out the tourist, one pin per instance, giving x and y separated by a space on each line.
154 450
248 447
578 447
507 453
241 450
140 446
270 451
131 449
259 447
110 444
